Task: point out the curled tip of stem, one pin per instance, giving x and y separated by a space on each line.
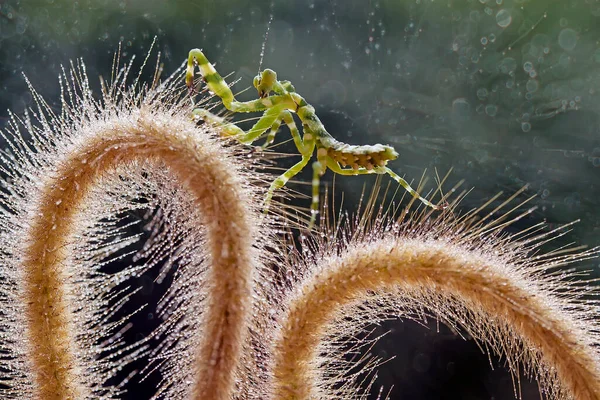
551 334
219 193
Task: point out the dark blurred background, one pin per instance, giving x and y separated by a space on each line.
505 92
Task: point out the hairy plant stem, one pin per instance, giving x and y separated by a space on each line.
446 268
209 177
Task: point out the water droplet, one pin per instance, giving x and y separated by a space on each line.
532 85
461 107
567 39
491 110
484 40
532 50
503 18
527 66
482 93
525 126
564 60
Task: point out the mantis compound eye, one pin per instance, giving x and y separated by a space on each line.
268 78
256 81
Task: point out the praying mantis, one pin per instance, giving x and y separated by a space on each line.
278 100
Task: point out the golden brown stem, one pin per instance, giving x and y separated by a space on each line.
411 263
199 164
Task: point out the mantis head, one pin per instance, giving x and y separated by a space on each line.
264 81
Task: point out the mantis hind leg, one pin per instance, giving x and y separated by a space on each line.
335 167
409 189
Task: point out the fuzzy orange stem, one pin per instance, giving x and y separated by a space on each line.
216 189
410 263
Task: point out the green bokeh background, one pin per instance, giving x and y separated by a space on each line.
505 92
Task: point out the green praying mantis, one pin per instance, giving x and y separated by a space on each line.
278 100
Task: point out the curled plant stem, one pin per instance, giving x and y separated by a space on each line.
390 263
214 185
